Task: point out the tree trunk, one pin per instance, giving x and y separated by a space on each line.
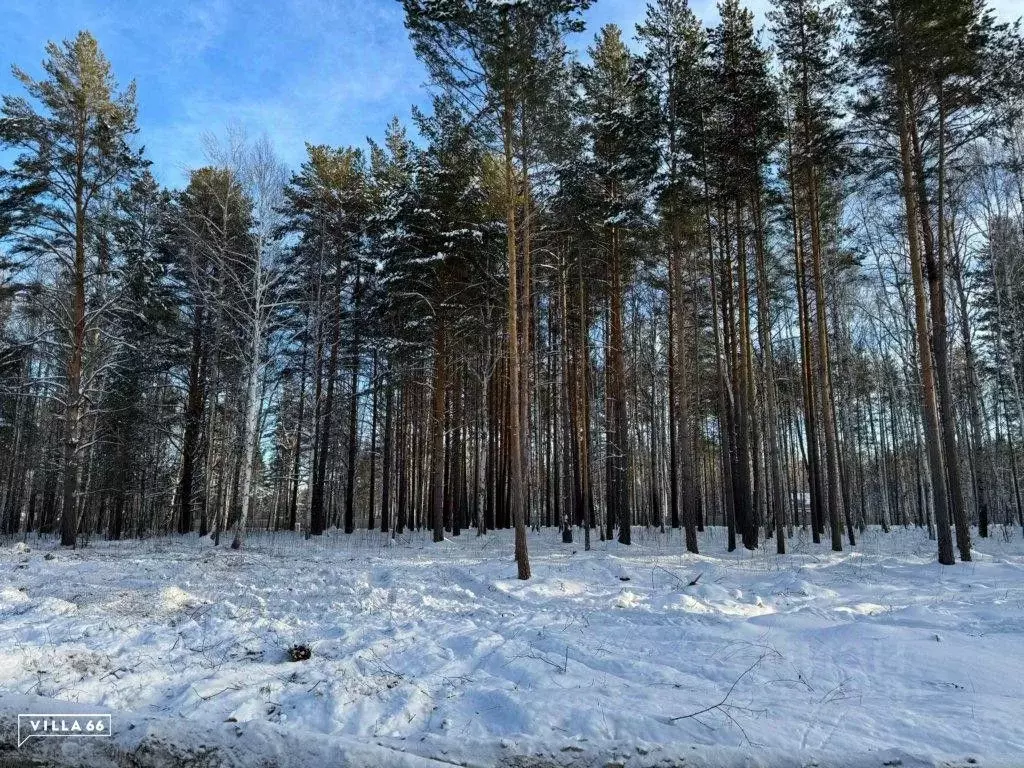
353 431
437 418
929 412
518 502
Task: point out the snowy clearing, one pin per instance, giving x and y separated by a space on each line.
427 654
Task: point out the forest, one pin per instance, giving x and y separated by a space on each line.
769 280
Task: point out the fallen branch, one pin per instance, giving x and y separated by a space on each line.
214 695
725 698
690 583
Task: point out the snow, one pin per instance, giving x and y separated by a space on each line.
429 654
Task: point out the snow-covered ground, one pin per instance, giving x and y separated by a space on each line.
430 654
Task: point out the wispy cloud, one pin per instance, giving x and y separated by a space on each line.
321 71
299 70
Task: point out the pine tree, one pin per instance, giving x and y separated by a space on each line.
675 59
923 64
74 155
806 34
208 231
623 158
146 326
482 54
741 131
571 212
327 204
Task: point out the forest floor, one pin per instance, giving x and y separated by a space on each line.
432 654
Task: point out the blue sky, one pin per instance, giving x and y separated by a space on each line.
323 71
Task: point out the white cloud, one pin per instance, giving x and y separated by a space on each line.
299 70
